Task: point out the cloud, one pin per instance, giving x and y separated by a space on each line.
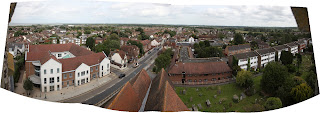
126 12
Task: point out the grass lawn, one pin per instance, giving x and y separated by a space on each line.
227 92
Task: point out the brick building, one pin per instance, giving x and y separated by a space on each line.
236 49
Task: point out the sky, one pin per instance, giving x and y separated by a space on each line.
44 12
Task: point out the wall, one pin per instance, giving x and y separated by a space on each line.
78 76
106 67
51 64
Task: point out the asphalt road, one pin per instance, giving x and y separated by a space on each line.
98 97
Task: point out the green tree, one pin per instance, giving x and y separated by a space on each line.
238 39
286 57
299 60
114 36
206 43
163 61
301 92
244 79
28 86
273 103
311 79
274 75
87 32
90 42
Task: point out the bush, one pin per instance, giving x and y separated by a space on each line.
249 92
273 103
235 98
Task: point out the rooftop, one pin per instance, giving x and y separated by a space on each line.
238 47
199 68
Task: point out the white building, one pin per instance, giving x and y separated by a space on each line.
265 56
245 58
119 58
293 48
191 40
154 43
278 49
54 66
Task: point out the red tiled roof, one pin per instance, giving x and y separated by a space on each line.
132 94
126 100
72 63
162 96
199 68
71 47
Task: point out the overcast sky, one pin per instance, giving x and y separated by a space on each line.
148 13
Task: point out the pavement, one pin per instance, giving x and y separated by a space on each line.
72 91
94 96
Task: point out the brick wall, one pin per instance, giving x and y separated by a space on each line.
201 79
67 79
29 69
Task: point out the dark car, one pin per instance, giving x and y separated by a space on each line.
122 75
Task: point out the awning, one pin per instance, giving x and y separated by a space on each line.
35 79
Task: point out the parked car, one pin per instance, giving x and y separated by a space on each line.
136 65
122 75
149 52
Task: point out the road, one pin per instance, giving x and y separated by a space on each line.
98 94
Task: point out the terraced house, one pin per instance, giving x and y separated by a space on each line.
245 58
55 66
265 56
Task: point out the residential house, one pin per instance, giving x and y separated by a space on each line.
245 60
236 49
132 52
119 58
123 41
279 49
265 56
154 43
293 48
302 44
16 49
146 45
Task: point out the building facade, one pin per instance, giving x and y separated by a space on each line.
237 49
55 66
265 56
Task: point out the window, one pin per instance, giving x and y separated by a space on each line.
213 79
58 70
58 80
91 69
59 55
51 88
87 80
51 80
101 67
45 80
58 87
51 71
44 71
72 81
195 80
62 83
65 76
101 73
82 73
78 82
96 67
200 80
78 74
45 89
190 80
70 75
87 72
205 80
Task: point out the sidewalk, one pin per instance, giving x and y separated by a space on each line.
72 91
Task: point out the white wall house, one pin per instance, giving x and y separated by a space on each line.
244 58
265 56
50 75
15 49
293 48
119 59
279 49
155 43
191 40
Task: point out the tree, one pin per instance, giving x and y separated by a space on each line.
138 44
90 42
273 103
28 86
206 43
254 45
299 59
244 79
286 57
273 77
238 39
114 36
311 79
163 60
87 32
301 92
